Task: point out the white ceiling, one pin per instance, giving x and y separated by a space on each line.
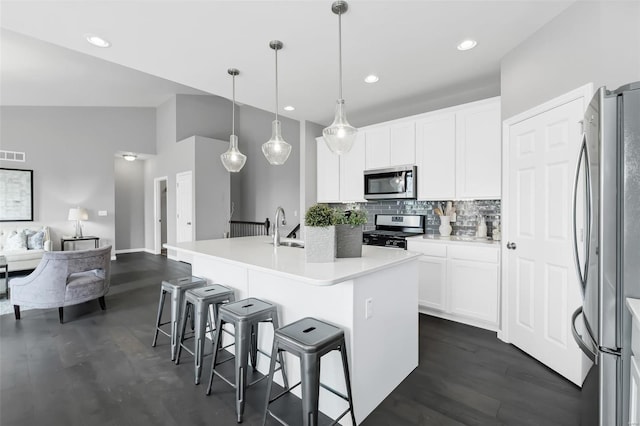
180 45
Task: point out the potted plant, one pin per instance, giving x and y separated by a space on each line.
320 234
349 232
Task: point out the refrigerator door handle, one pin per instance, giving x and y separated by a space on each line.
583 155
588 350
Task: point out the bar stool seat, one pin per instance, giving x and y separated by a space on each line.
245 316
196 305
310 339
177 287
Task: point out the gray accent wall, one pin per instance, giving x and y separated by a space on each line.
72 152
129 204
256 190
591 41
259 188
309 131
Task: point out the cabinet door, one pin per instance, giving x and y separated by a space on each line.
328 174
634 394
352 171
378 142
478 151
435 157
403 144
432 280
474 289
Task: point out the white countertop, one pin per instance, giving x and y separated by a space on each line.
634 308
257 253
458 239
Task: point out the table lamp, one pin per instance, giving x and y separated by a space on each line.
78 214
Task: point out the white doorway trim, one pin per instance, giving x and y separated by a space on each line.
157 212
585 93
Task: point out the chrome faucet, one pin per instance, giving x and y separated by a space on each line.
276 228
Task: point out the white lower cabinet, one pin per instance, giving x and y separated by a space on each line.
433 281
460 282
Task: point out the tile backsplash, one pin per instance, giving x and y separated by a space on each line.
467 213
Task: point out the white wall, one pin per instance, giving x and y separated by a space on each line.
591 41
72 152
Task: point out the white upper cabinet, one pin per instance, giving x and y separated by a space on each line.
436 157
340 178
390 145
328 174
478 151
352 171
378 146
403 143
458 152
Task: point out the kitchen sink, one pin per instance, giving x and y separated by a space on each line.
291 243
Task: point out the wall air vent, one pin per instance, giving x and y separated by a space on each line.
13 156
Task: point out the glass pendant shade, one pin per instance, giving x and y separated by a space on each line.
233 160
276 149
340 136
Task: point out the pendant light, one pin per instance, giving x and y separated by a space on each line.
233 160
340 136
276 149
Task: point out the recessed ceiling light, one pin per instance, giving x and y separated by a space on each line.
97 40
289 108
130 157
371 78
467 44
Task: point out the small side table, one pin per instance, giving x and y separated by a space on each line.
65 239
4 284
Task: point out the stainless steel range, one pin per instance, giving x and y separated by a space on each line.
392 230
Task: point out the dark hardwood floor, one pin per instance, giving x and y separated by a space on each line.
98 368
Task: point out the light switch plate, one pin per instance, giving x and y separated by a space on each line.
102 212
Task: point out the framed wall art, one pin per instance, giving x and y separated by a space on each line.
16 195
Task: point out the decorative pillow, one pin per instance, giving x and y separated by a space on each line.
17 240
35 240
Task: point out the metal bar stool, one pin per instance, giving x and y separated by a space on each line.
310 339
177 287
196 305
245 315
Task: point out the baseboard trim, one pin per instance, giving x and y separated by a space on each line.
150 251
136 250
172 257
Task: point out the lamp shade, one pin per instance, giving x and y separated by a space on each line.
78 214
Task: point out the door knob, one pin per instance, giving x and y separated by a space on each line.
511 246
188 223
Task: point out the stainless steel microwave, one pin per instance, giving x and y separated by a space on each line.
391 183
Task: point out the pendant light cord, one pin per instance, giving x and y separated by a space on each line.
340 54
233 107
276 50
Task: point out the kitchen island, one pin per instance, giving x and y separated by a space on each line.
374 299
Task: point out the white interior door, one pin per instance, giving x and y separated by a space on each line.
184 209
541 285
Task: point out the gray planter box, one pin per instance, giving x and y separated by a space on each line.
320 244
349 240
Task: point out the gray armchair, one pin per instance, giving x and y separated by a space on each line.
64 278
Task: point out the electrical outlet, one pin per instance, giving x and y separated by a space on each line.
368 308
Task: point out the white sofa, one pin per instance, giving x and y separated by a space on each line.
26 258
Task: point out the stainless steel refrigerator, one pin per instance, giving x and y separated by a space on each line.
607 200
